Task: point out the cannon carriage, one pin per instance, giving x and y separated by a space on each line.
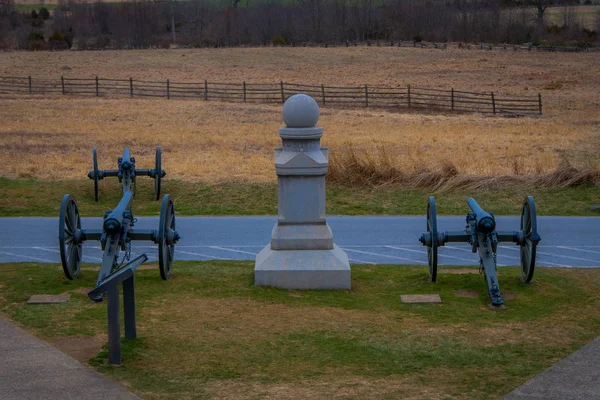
117 233
481 234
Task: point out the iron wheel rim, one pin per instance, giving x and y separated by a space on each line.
530 239
70 250
432 251
166 251
96 172
158 173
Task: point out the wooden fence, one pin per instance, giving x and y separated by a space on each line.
529 47
347 96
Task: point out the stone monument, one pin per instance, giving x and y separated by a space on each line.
301 254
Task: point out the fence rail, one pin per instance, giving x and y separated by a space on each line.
357 96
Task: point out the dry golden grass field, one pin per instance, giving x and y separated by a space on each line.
52 137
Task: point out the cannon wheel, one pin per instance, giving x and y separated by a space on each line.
432 251
531 238
70 246
165 237
96 172
158 173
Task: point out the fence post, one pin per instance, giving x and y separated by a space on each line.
282 94
244 91
205 90
168 90
452 99
408 96
131 86
540 102
323 93
366 96
29 84
493 103
62 84
97 88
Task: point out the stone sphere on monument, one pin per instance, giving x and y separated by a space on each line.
300 111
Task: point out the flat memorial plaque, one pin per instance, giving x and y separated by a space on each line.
420 298
49 298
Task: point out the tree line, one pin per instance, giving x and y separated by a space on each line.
216 23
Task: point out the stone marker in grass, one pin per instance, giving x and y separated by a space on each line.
420 298
301 254
49 298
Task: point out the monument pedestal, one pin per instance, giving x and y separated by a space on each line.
301 254
302 269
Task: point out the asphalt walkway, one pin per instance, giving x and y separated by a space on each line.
31 369
576 377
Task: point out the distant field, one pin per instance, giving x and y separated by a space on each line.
51 138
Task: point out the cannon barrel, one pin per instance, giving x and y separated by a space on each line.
126 161
485 222
114 221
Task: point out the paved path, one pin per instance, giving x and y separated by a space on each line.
566 241
32 369
576 377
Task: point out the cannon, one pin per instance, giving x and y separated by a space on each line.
481 234
118 230
116 235
127 173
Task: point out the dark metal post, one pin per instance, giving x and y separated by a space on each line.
62 84
452 99
97 88
129 308
323 93
366 96
282 94
493 103
29 84
408 96
540 102
131 86
244 91
114 330
205 90
168 90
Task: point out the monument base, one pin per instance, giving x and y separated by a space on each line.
302 269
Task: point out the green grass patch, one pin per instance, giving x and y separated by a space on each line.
31 7
43 198
209 332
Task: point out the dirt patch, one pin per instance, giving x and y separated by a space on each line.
327 388
79 347
467 293
459 271
509 295
241 319
83 291
144 267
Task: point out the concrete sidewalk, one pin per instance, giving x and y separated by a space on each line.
574 377
33 369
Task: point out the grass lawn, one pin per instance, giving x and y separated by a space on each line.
42 198
209 333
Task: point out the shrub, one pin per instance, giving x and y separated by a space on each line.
278 40
44 13
36 36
